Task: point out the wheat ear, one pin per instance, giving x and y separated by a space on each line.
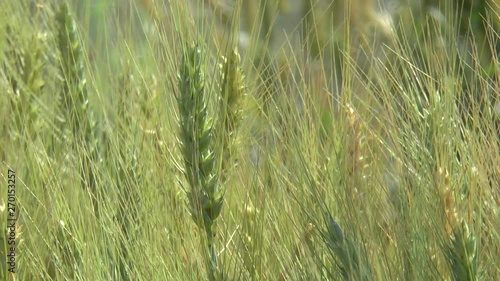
74 97
75 100
25 74
231 95
196 137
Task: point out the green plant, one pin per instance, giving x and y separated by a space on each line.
231 96
75 101
196 135
74 95
461 254
25 70
386 120
205 160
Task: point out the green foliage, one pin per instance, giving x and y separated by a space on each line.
322 140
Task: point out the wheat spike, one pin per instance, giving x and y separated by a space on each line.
231 96
196 136
75 97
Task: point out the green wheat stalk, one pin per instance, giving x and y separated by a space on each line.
24 68
196 136
75 96
311 28
231 96
128 175
208 147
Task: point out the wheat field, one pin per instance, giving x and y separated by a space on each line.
250 140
